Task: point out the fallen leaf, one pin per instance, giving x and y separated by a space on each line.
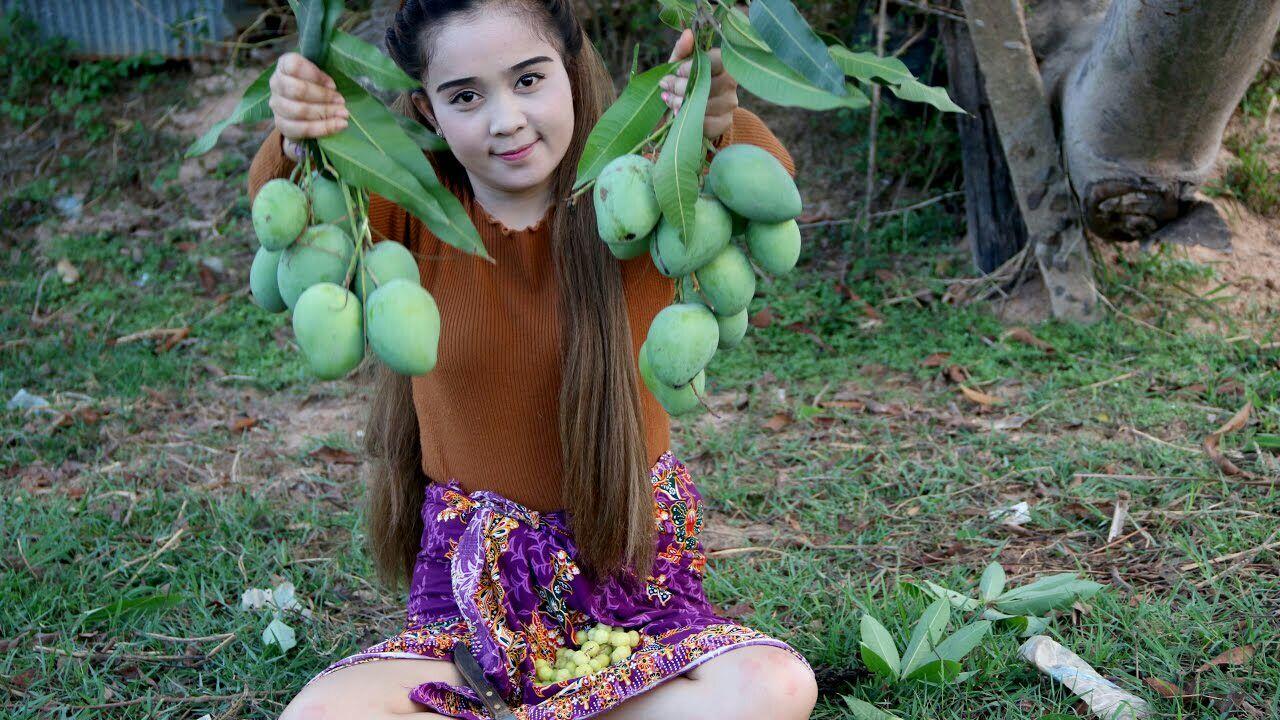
242 423
762 319
1237 421
1164 688
935 360
980 397
67 271
805 329
856 405
778 421
335 456
957 374
1024 336
1234 656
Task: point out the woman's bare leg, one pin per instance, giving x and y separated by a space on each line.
750 683
374 690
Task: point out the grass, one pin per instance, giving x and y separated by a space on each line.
133 485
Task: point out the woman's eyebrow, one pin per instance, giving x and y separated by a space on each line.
518 66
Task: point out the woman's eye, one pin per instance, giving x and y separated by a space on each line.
460 95
535 76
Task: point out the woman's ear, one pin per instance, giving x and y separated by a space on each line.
423 104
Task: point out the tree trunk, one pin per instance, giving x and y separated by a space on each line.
995 230
1144 111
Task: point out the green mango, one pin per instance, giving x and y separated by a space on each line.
676 401
625 203
631 248
324 253
279 213
682 339
753 183
726 284
326 322
774 246
386 261
327 202
732 329
403 323
710 234
262 280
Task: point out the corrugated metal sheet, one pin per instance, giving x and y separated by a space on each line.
120 28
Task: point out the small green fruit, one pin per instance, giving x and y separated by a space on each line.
682 339
403 323
632 248
279 213
324 253
386 261
625 203
326 322
262 280
676 401
327 202
726 284
753 183
709 235
732 329
774 246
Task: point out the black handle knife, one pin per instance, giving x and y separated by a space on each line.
471 672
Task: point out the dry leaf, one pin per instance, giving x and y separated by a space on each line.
1234 656
175 336
67 271
1024 336
1237 421
935 360
980 397
762 319
334 456
241 424
778 421
957 374
1164 688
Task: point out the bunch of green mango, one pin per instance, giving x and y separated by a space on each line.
749 196
340 292
598 648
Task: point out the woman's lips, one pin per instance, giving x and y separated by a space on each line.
519 154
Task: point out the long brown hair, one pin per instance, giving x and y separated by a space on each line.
605 482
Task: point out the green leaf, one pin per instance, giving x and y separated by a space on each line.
360 163
677 14
333 10
630 119
1054 592
280 634
251 108
938 671
310 16
676 174
1267 441
868 66
373 123
992 582
916 91
357 58
422 137
934 590
877 648
793 42
926 635
736 29
765 77
130 606
863 710
963 641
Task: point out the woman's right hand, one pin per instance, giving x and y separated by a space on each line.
305 102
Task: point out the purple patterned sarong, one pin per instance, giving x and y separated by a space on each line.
502 578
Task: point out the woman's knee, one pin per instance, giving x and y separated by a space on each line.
375 690
764 680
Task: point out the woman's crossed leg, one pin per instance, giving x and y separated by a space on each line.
374 690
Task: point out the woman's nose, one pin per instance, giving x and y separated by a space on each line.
507 118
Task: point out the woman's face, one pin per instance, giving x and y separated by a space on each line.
500 95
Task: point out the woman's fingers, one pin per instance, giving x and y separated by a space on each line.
296 65
300 129
305 91
295 110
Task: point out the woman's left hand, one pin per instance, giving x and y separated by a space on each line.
724 89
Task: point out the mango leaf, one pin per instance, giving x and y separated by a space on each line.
310 17
991 584
421 136
630 119
150 603
863 710
765 77
878 649
934 590
333 10
868 66
251 108
1267 441
677 14
357 58
963 641
676 174
925 636
916 91
1049 593
793 42
736 28
374 124
938 671
362 164
277 633
1028 625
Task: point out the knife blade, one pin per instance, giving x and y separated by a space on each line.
470 669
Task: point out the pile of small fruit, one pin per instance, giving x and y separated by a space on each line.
599 647
308 263
752 198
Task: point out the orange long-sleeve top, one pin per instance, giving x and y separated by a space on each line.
487 413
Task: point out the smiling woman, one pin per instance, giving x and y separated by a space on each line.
526 486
